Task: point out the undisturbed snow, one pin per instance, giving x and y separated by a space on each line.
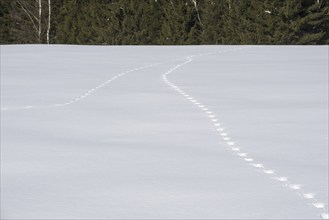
78 143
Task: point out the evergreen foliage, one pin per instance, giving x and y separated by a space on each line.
168 22
5 22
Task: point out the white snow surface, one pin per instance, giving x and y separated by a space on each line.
155 132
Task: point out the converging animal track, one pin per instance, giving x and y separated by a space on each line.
94 89
224 135
231 145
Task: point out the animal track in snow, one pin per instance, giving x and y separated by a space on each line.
248 159
319 205
295 186
83 96
308 195
257 165
231 145
282 179
269 171
324 216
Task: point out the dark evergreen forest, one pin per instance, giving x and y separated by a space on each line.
164 22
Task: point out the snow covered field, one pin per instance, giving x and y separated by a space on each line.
197 132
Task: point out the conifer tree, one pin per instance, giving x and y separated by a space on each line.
5 22
213 19
67 30
314 25
173 27
174 22
303 22
234 18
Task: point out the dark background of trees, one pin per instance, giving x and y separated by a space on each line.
168 22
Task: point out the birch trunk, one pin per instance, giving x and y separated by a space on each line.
197 11
229 6
39 20
49 17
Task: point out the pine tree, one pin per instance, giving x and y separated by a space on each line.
314 25
304 22
174 22
151 19
5 22
173 27
212 13
67 29
234 21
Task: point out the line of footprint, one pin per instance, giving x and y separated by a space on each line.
232 146
83 96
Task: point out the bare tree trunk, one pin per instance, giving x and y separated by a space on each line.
30 14
39 20
49 17
197 11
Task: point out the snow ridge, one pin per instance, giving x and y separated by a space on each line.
231 145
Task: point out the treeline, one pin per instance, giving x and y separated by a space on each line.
164 22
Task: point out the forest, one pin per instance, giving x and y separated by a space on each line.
164 22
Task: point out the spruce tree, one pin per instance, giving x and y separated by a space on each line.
213 19
173 27
5 22
314 25
67 30
174 22
303 22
